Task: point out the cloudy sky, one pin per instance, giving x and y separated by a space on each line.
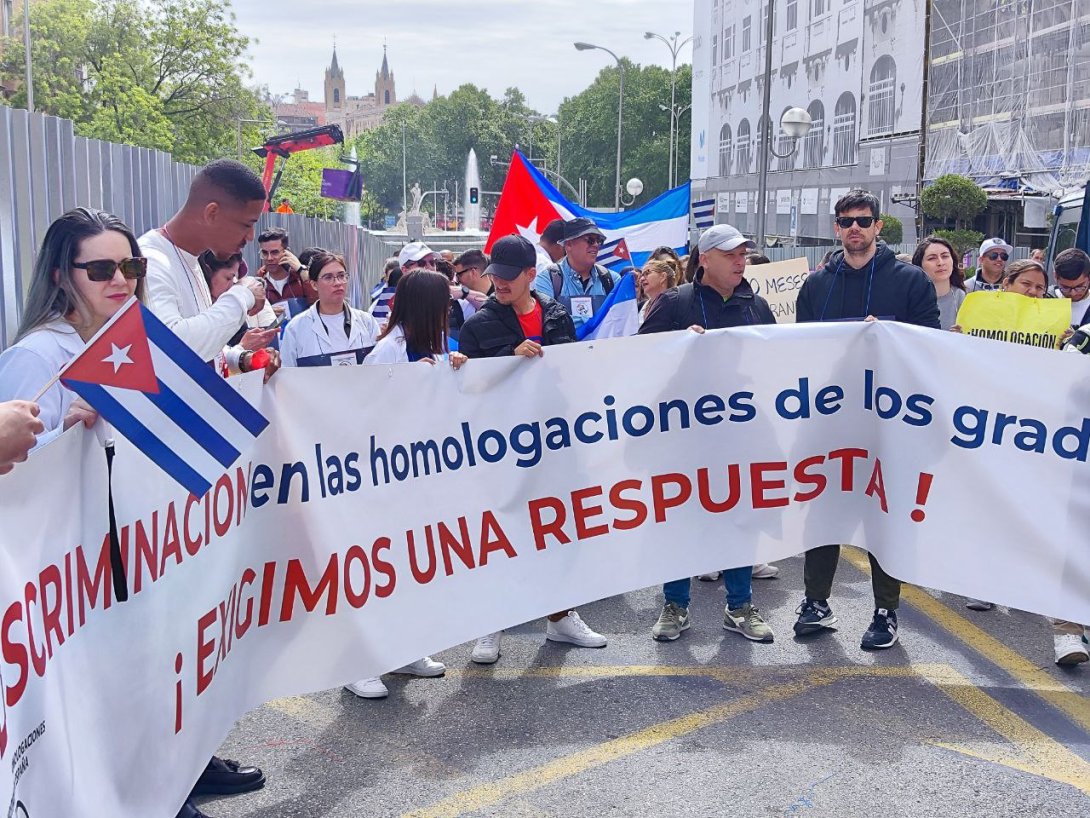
490 43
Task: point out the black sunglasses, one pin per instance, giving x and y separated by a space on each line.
994 256
845 222
103 269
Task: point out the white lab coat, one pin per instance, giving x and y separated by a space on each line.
305 335
28 366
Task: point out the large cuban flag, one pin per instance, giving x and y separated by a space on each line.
159 394
529 201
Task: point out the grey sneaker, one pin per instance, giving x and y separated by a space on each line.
748 622
672 621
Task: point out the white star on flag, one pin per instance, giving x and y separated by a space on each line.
530 231
118 357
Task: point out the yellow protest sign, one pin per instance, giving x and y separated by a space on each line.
1038 322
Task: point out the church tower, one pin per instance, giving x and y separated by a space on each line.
334 86
385 95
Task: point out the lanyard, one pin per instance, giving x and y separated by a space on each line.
844 286
347 323
189 270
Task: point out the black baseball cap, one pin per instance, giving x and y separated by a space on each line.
581 226
510 256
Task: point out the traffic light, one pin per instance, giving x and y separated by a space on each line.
474 195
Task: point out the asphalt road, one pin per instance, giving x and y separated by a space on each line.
966 716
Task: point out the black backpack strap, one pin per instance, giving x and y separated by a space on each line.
605 277
557 279
684 305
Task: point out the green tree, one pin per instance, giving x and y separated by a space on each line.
169 75
955 198
893 232
589 122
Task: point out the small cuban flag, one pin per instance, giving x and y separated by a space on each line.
159 394
614 254
704 213
618 316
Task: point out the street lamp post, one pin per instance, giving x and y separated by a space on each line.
795 123
620 114
675 47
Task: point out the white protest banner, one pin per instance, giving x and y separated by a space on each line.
389 512
779 283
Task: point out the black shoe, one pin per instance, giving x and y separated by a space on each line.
189 810
814 615
882 632
224 777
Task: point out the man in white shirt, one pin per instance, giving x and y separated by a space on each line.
1072 268
225 200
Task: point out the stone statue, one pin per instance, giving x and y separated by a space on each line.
418 198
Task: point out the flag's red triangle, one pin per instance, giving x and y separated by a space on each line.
621 251
522 204
119 357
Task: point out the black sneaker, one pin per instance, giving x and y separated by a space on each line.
882 632
814 615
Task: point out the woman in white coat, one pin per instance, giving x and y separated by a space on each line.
330 333
88 267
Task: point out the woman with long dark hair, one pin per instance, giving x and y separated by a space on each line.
937 257
88 267
417 327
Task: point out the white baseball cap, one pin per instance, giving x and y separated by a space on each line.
413 251
994 244
723 237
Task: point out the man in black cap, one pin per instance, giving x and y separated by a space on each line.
578 281
518 320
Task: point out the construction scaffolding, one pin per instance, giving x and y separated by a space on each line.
1009 93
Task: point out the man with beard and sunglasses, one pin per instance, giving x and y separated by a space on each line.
992 258
864 281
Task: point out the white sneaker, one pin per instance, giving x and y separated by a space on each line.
573 630
1070 649
368 688
712 577
487 649
426 667
765 570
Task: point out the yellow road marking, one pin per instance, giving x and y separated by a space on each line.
493 792
1070 702
1039 753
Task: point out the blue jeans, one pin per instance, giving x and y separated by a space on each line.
738 583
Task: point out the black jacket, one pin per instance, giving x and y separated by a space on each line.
886 288
696 304
494 330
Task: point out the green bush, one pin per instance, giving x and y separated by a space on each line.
955 198
893 232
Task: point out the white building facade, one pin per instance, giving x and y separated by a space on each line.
855 65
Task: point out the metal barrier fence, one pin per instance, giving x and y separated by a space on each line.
45 170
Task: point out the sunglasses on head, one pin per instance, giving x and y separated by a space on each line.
996 256
103 269
844 222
